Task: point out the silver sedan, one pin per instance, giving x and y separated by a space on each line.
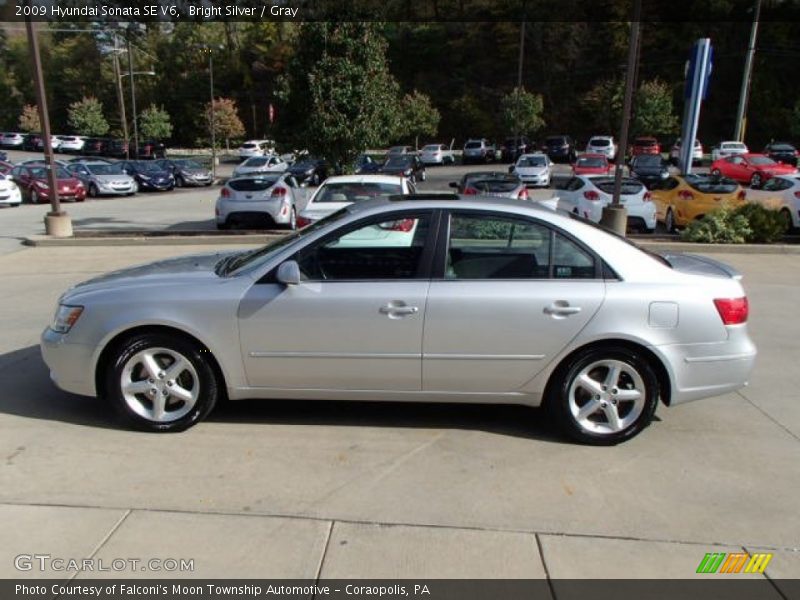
467 299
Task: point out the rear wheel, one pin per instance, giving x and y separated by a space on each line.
158 382
604 396
787 219
669 221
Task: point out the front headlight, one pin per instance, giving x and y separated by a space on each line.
145 177
66 316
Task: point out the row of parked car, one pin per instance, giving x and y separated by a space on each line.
91 176
81 144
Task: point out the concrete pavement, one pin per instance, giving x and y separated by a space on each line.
304 489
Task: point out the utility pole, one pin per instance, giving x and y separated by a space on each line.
133 103
519 86
121 96
57 222
744 95
615 216
213 115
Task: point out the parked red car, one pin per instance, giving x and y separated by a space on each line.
591 164
645 145
752 169
32 180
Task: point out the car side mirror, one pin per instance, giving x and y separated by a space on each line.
289 273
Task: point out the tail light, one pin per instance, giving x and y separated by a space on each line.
303 222
591 195
225 193
471 191
523 194
278 192
732 311
797 195
647 196
404 225
685 195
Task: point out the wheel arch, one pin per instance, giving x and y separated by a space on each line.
655 362
115 342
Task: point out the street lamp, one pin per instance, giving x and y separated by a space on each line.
209 49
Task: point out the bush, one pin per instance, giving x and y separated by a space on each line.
749 223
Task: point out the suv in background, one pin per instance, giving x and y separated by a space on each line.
478 150
602 144
645 145
675 152
514 147
560 148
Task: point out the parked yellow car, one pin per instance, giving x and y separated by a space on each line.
679 200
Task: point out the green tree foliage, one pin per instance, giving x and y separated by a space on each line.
154 123
794 123
602 105
746 224
653 110
338 95
86 117
469 118
522 112
419 116
227 123
29 119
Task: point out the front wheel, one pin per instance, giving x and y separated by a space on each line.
161 383
716 173
755 181
34 197
179 182
669 221
604 396
93 191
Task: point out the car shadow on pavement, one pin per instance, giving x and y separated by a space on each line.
29 393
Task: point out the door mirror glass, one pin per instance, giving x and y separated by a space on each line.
288 273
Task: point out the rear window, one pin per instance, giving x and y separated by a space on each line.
592 161
629 186
258 161
248 145
431 148
356 192
648 160
552 141
532 161
783 148
712 186
252 184
600 143
494 186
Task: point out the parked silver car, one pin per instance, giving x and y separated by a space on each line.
519 305
258 201
104 179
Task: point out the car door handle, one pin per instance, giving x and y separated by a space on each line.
561 309
395 310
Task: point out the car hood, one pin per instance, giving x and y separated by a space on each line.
171 271
195 172
649 170
155 174
111 178
530 170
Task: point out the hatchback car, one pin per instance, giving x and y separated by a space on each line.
405 165
258 201
533 169
256 148
782 152
586 196
675 152
310 171
186 171
649 168
591 164
679 200
752 169
261 164
645 145
781 193
560 148
469 300
71 143
492 183
602 144
12 140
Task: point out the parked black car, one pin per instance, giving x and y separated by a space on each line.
514 147
407 165
94 146
782 152
149 175
115 148
560 148
151 150
649 168
312 171
32 142
186 171
366 164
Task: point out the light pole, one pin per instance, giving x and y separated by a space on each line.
209 49
741 119
120 94
132 74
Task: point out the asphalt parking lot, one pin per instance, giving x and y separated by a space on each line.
305 490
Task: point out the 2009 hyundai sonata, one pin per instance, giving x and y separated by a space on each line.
429 299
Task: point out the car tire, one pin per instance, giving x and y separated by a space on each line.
292 224
93 192
34 197
423 176
755 181
223 226
787 219
179 182
604 396
669 221
177 364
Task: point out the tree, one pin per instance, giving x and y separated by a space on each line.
338 96
653 112
522 111
154 123
86 117
419 116
794 123
603 105
29 119
227 123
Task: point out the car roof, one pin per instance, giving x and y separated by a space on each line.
592 155
362 179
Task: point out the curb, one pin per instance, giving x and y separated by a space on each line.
149 238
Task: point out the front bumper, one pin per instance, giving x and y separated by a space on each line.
158 186
71 365
11 198
541 179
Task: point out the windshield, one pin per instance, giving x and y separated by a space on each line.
495 185
551 141
113 169
147 166
252 184
41 173
471 145
532 161
248 145
600 142
251 259
782 148
398 162
646 143
761 160
305 164
356 191
629 186
188 164
592 162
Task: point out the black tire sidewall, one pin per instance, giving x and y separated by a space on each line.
207 380
558 402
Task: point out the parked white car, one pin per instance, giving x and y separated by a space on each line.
587 195
11 140
71 143
256 148
675 152
258 201
10 194
337 192
261 164
602 144
728 149
533 169
781 192
437 154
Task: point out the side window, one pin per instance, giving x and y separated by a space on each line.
570 261
574 184
772 185
489 247
376 250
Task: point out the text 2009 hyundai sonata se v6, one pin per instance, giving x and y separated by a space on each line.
425 299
